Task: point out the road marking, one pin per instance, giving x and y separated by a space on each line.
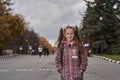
4 70
28 70
30 61
47 69
25 70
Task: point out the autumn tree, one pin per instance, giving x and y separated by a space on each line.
10 25
45 43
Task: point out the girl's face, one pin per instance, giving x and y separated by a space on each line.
69 34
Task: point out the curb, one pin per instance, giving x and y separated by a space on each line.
107 59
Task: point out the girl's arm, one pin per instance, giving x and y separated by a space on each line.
84 62
58 61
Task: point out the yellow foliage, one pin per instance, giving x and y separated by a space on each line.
10 26
45 43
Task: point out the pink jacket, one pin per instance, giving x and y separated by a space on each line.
71 67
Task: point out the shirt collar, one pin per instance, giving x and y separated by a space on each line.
67 43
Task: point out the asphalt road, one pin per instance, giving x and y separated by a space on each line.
27 67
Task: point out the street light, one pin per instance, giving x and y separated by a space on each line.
115 6
101 18
21 48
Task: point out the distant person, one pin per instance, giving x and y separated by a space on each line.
89 52
33 52
47 51
40 49
71 56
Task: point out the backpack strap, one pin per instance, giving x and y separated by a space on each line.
79 54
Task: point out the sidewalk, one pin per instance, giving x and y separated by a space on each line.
6 56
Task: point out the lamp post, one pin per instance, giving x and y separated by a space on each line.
27 46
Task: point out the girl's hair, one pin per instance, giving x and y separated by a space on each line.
61 37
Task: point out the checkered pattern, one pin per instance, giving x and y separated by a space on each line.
72 67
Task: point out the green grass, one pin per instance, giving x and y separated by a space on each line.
114 57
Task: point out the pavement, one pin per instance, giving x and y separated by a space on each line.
6 56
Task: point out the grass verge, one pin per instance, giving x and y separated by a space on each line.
114 57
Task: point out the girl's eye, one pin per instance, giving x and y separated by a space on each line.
69 33
72 33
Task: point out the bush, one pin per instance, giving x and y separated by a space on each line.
115 49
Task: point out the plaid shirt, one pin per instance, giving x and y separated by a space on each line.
71 67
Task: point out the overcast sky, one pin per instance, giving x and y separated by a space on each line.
47 16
